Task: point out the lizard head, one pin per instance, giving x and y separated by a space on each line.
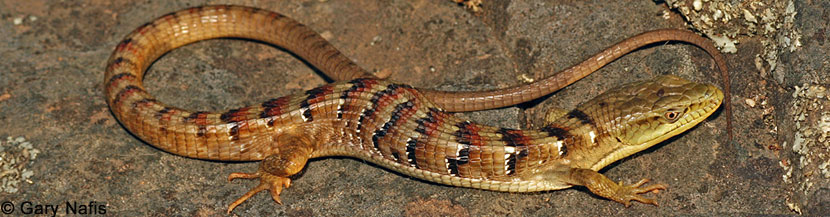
636 116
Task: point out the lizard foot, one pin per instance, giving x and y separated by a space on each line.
604 187
626 193
267 181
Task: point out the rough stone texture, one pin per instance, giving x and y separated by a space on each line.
53 54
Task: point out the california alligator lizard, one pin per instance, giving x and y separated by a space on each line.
392 125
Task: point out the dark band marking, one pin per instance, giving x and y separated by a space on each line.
393 121
234 115
511 164
129 89
554 131
198 118
117 62
427 125
144 101
126 45
463 158
358 85
202 131
581 116
314 96
120 76
513 159
467 133
561 134
160 114
513 138
374 103
123 44
411 144
343 109
145 27
274 107
307 115
234 132
396 156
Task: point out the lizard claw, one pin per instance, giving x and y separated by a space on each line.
267 181
626 193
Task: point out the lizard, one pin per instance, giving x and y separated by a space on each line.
392 125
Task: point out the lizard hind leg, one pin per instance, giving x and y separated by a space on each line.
274 171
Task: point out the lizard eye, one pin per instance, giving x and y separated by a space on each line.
672 115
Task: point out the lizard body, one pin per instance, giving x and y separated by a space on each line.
393 125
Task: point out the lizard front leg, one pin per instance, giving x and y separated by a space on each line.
292 154
604 187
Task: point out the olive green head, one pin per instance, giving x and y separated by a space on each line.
635 116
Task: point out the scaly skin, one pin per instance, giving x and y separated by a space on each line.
392 125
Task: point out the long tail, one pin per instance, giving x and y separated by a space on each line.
171 128
489 99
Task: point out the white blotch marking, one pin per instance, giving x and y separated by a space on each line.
447 165
593 137
340 103
407 151
559 145
302 112
361 123
510 149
